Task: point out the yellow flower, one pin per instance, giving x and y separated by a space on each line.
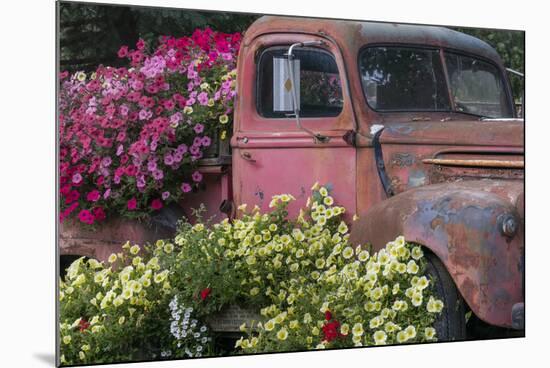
204 86
401 337
81 76
293 324
380 337
81 355
282 334
410 331
254 291
67 340
188 110
294 267
429 333
422 283
412 267
320 262
121 320
224 119
134 249
357 329
375 322
342 228
269 325
417 253
347 253
323 191
328 201
168 248
112 258
127 294
223 135
344 329
211 102
416 299
315 331
85 347
363 255
307 318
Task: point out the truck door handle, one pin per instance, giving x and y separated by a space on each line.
247 156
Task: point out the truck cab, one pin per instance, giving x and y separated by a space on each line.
414 130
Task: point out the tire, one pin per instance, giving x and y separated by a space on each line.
451 323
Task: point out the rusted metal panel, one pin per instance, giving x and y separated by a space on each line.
461 223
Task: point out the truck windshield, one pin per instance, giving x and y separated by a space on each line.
412 79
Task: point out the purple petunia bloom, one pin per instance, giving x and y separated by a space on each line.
197 141
194 150
177 157
77 178
185 187
119 150
151 165
106 161
203 98
168 159
158 174
197 176
199 128
107 193
206 141
165 195
182 148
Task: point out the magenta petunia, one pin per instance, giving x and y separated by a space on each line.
93 196
156 204
132 204
86 217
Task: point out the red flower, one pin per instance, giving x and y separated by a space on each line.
156 204
83 324
99 214
205 292
330 331
132 204
328 315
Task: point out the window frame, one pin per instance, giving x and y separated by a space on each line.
442 52
257 88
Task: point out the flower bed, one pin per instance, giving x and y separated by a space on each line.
131 138
312 289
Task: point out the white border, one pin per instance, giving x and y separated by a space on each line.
27 181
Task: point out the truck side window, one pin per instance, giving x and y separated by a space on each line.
477 87
403 79
320 90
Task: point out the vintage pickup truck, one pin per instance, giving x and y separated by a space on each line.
414 128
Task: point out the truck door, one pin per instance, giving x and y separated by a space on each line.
271 154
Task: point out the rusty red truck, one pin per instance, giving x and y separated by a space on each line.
415 129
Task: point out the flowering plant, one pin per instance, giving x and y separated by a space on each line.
130 138
115 310
313 289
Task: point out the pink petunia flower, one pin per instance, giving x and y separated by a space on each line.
132 204
197 176
186 188
93 196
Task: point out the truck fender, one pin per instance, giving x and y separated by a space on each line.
476 232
